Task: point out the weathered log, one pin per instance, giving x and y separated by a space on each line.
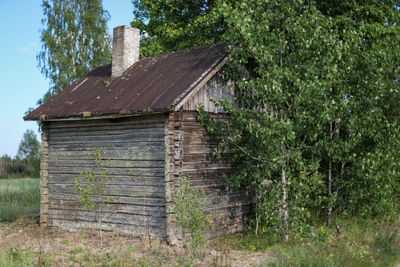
115 199
105 128
112 190
120 218
140 120
142 146
57 204
114 180
114 163
120 138
136 230
143 153
111 171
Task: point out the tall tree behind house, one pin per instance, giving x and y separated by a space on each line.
74 41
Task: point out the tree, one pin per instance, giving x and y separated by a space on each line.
331 80
28 155
318 83
74 41
29 147
5 164
284 50
367 126
172 25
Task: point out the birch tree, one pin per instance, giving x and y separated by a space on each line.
172 25
317 128
74 41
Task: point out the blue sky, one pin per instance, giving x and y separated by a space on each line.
21 83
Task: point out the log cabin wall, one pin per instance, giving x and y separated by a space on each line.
173 162
134 153
190 150
207 173
44 174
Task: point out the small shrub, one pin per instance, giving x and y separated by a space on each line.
190 213
15 255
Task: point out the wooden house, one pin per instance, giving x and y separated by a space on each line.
141 114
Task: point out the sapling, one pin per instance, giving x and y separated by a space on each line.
93 193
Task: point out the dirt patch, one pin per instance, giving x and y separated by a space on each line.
61 248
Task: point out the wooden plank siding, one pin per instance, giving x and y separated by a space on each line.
134 154
210 174
215 88
190 156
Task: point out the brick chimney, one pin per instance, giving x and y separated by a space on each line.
125 49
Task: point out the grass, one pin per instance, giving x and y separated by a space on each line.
78 257
18 198
358 243
16 258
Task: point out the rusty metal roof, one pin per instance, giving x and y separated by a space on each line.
153 84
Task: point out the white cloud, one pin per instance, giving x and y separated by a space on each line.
32 47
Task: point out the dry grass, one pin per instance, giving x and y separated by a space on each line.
24 243
60 248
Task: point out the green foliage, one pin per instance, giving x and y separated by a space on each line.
29 146
303 75
172 25
28 155
93 192
190 212
387 241
17 168
18 198
317 127
16 258
27 161
5 166
74 41
361 242
15 254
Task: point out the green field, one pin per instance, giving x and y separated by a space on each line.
18 198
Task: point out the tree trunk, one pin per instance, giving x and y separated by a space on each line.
284 197
333 131
330 179
100 222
